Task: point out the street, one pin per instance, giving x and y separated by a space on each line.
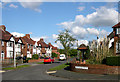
37 72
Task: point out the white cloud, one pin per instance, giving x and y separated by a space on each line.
58 45
13 6
31 5
38 38
54 36
17 34
93 31
81 8
102 17
79 32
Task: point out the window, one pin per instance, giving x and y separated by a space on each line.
118 47
28 45
18 45
2 43
34 47
10 44
118 30
11 54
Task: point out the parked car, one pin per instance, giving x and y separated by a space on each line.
25 60
48 60
19 57
62 57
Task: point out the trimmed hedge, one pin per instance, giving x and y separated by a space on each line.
113 61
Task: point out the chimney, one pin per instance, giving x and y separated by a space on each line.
3 27
27 35
41 39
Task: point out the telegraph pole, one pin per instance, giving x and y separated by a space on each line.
14 55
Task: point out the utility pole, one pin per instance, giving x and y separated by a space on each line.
14 54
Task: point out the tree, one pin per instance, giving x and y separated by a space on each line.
67 40
73 52
54 55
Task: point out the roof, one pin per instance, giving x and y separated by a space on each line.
111 35
5 35
82 47
56 52
54 48
42 43
25 39
117 25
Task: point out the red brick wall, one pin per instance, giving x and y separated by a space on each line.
95 69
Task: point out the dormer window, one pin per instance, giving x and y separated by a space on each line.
118 31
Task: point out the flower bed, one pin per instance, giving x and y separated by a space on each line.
94 69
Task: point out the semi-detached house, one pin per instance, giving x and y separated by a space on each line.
23 46
9 44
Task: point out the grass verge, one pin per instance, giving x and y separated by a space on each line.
40 63
59 67
18 67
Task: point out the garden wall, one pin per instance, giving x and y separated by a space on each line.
94 69
35 60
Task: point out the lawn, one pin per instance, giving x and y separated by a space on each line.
11 68
59 67
40 63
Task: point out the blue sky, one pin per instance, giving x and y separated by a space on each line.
47 18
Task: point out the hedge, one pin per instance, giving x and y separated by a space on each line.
35 56
113 61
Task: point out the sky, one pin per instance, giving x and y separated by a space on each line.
85 20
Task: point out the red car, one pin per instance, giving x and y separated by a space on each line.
48 60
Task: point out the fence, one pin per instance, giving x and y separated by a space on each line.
8 62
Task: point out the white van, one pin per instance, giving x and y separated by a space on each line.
62 57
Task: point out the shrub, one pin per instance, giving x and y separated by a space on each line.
35 56
113 60
54 55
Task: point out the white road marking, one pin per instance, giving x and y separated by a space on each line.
51 72
1 71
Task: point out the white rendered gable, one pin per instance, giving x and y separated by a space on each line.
19 41
12 39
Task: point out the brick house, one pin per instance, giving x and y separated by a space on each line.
114 39
19 45
28 47
8 44
45 49
54 49
22 46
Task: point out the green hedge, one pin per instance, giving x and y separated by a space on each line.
35 56
113 61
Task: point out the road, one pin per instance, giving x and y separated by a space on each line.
37 72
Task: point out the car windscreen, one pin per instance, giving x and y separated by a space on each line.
62 56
